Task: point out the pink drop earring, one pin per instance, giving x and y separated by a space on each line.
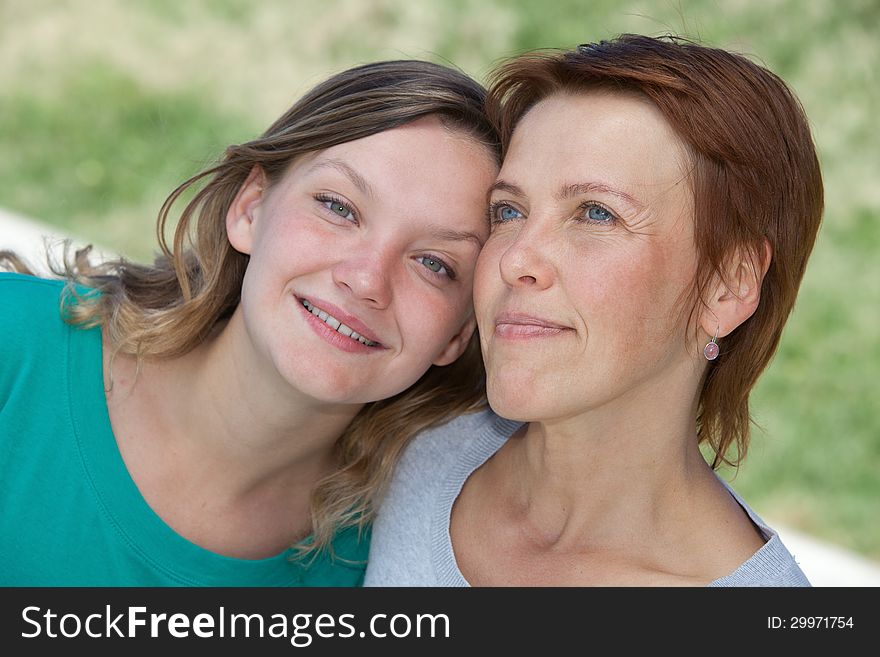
710 351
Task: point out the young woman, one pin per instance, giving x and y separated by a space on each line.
651 223
226 415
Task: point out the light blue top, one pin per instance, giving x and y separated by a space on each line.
70 514
411 545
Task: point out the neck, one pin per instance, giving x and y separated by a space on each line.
628 466
228 424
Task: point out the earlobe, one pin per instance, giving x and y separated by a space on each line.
456 346
242 213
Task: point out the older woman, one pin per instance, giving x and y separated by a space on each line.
650 227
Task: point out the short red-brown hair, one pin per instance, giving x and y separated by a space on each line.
754 175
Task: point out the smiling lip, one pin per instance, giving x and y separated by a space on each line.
337 326
520 326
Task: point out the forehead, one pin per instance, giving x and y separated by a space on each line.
619 138
419 154
421 138
418 159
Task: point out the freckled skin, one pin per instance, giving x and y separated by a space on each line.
592 236
227 442
615 285
371 264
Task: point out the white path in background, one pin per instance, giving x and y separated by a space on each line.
30 239
824 564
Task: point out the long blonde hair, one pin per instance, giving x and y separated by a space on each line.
166 309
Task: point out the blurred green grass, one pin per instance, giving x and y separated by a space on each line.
106 106
98 173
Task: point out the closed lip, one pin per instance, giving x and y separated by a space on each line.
524 319
348 319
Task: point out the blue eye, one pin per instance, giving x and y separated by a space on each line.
501 213
599 214
507 213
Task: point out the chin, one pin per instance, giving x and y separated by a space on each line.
514 402
325 386
515 392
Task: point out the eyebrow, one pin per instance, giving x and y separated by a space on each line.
504 186
579 189
448 235
359 181
569 191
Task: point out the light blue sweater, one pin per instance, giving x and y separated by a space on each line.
411 545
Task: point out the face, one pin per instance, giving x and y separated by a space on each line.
362 258
579 287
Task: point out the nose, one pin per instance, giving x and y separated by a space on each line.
527 261
366 275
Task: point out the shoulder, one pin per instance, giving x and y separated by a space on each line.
441 446
31 303
412 519
32 337
19 292
435 464
30 310
772 565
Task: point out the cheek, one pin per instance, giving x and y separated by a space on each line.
289 234
292 247
487 276
429 320
634 299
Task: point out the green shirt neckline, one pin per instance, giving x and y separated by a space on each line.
144 532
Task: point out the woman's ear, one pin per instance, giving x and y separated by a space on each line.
243 211
457 344
735 296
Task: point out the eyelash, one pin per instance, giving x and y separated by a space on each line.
492 212
495 206
330 198
450 273
585 207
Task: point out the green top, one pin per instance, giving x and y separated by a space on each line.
70 514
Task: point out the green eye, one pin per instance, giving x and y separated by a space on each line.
337 208
434 265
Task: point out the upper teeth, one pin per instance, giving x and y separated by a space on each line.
334 323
